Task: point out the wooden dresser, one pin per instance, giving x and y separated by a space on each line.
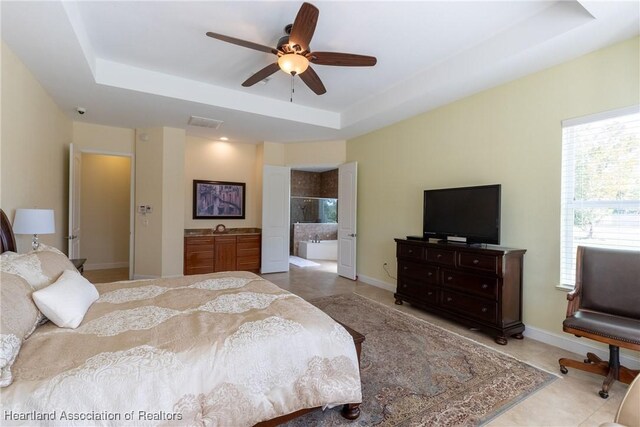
222 252
478 286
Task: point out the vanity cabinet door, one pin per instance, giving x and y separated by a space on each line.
225 253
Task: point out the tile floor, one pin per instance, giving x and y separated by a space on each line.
572 400
106 276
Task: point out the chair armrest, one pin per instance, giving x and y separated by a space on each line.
574 301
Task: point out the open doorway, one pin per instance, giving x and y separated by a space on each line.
314 218
276 223
105 216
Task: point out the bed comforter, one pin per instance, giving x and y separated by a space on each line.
227 349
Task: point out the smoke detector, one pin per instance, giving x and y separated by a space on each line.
205 122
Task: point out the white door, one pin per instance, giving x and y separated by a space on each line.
347 203
75 169
275 219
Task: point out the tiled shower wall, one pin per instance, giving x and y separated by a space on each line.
311 184
306 231
315 184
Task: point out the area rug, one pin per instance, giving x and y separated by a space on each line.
417 374
301 262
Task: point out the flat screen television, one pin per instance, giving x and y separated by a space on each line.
467 214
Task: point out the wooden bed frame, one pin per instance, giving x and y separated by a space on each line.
7 239
350 411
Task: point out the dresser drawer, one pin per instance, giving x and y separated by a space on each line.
410 251
441 256
248 263
416 289
190 241
484 286
418 271
250 240
247 249
200 258
488 263
470 306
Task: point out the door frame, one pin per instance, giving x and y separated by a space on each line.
306 167
132 198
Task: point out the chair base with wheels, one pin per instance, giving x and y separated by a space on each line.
611 369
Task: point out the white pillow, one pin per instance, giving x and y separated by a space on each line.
66 301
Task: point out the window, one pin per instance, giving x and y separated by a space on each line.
600 185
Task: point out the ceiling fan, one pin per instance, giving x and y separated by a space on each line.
294 54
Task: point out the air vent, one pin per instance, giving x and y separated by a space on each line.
204 122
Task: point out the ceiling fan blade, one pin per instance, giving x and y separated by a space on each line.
243 43
261 75
304 26
311 79
342 59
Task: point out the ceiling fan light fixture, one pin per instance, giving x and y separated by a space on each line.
293 63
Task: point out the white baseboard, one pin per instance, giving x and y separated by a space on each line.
106 265
377 283
573 345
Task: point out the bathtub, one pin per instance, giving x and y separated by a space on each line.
325 249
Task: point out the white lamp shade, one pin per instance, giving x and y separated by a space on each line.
34 221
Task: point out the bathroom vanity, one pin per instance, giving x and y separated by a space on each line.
236 249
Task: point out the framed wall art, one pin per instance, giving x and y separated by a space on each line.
218 199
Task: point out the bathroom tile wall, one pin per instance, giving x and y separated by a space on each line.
315 184
308 231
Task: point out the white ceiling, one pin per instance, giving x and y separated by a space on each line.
144 64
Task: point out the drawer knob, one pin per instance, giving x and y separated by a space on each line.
429 274
449 299
484 309
449 278
439 256
485 286
410 251
404 285
476 261
405 268
429 293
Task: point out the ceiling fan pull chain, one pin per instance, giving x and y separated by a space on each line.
292 90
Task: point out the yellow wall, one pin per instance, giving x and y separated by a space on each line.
34 150
159 245
509 135
173 199
327 153
221 161
104 212
148 192
89 136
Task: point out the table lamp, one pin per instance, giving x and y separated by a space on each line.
34 221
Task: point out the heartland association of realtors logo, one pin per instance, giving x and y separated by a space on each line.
91 416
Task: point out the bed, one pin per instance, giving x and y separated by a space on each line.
229 349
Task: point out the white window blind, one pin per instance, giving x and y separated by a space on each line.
600 185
